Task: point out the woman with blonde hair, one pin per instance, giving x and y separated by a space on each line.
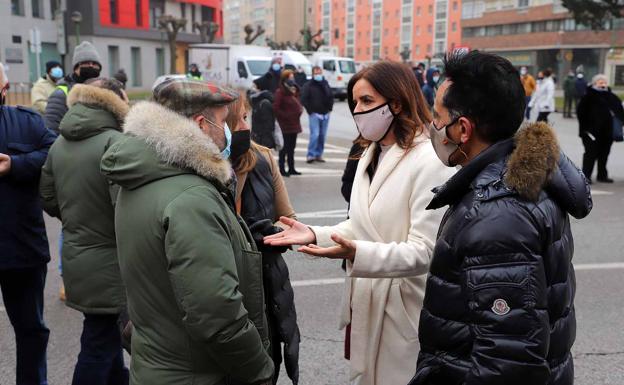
388 240
261 199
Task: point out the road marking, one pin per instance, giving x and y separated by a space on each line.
328 160
327 145
2 309
325 151
319 171
336 281
341 213
601 192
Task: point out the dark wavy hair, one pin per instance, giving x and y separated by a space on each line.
485 88
397 83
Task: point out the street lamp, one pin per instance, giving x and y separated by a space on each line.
76 17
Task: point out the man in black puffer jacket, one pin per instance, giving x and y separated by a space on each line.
499 302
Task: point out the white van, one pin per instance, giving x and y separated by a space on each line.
291 60
337 71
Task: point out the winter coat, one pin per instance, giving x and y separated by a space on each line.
529 84
262 195
581 87
569 87
429 89
317 97
394 236
288 110
73 190
262 119
544 97
301 78
268 82
41 91
499 304
192 275
23 240
57 102
595 111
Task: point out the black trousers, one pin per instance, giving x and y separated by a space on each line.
22 293
543 117
568 102
596 150
288 152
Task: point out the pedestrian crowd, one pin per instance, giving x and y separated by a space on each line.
175 219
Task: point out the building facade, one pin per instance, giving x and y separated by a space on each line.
17 19
542 34
281 19
369 30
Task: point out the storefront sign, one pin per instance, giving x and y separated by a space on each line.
518 58
14 55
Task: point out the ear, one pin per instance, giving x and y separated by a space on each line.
395 106
467 129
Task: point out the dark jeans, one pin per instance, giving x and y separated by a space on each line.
543 117
100 361
288 152
527 111
22 293
596 151
568 102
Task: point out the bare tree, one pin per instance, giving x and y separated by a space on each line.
596 13
250 36
207 30
311 42
171 26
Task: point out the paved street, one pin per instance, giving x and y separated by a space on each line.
599 350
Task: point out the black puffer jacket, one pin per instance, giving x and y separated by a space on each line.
57 103
262 119
595 114
499 302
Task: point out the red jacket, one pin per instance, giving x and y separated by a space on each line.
287 110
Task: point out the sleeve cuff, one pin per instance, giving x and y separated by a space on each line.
323 235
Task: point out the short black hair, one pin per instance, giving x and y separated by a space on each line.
485 88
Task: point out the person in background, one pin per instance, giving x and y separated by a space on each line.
24 251
596 112
389 237
300 77
419 72
122 77
499 301
581 87
529 85
318 100
261 199
73 190
288 110
194 72
544 97
569 91
262 118
192 274
45 86
87 65
271 79
429 89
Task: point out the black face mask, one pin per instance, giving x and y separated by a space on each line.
87 73
241 142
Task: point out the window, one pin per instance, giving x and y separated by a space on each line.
523 3
160 61
138 10
207 13
37 9
417 11
114 11
347 66
454 27
54 6
16 39
428 48
113 59
455 5
135 59
429 28
431 9
156 9
329 65
17 7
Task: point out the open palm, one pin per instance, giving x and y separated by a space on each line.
297 234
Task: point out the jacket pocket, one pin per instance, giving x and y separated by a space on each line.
396 311
20 148
251 286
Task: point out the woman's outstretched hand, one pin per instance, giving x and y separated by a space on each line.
344 249
297 234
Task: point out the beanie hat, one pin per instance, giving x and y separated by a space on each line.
3 78
85 51
51 64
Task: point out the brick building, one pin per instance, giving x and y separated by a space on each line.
368 30
543 34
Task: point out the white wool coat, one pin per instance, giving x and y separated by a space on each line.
395 237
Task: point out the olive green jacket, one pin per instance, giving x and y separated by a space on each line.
193 277
73 190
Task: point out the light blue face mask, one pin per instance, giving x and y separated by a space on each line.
225 154
318 78
56 72
276 67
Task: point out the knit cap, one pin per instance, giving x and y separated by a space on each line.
85 51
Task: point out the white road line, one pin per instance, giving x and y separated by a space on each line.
328 175
342 213
601 192
319 171
577 267
327 145
325 151
2 309
328 160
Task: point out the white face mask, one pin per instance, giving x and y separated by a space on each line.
374 124
523 72
443 150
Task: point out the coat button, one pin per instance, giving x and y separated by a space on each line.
479 195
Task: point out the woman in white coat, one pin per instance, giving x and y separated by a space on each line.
389 238
544 96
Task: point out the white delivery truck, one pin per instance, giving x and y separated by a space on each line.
291 60
337 71
234 65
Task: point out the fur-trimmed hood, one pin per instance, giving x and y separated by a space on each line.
92 110
161 143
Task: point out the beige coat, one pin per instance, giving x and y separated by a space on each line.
40 93
395 237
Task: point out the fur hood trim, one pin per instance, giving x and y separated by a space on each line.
533 160
98 97
177 140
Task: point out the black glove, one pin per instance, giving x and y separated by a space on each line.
264 228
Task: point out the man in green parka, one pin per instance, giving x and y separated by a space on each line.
73 190
193 277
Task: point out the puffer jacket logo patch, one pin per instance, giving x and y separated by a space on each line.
500 307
